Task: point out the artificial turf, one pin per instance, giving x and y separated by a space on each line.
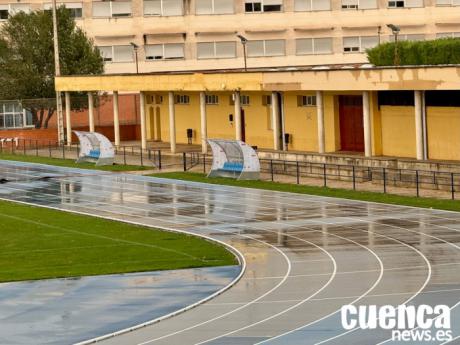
70 163
39 243
441 204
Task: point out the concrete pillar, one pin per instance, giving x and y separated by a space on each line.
276 121
418 103
367 124
237 119
172 122
203 120
320 116
67 118
143 121
91 111
116 119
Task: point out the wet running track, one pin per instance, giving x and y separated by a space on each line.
305 256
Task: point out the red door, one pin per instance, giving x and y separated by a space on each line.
351 123
243 126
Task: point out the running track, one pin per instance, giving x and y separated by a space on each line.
305 256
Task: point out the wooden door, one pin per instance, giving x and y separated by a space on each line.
351 123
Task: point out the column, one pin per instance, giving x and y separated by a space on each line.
203 120
172 122
367 125
237 119
320 116
67 118
143 121
91 111
116 119
418 103
275 121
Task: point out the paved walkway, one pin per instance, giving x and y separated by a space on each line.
306 256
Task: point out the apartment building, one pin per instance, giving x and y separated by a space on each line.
180 35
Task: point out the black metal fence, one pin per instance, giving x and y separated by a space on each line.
443 184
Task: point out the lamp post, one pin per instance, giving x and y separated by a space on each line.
244 40
57 73
395 30
135 47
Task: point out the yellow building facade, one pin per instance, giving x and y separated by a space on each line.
393 112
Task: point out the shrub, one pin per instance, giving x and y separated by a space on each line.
441 51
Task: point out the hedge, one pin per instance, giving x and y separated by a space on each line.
436 52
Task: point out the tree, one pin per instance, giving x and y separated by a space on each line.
27 60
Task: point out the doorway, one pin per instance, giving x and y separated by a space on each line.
243 126
351 123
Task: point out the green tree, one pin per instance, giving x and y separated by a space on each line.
27 60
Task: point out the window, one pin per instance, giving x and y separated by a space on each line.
12 115
168 51
212 99
359 44
252 6
312 5
266 48
447 2
448 35
306 101
305 46
75 8
182 99
409 37
405 3
214 50
358 4
267 100
7 10
163 7
111 9
244 99
117 53
214 7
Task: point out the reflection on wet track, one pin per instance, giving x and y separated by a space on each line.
306 256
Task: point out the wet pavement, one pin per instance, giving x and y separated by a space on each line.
306 256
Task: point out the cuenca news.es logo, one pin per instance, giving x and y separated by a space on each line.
407 323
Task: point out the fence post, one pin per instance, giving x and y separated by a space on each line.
271 168
297 171
63 151
184 160
416 183
149 153
124 155
452 187
159 159
384 181
204 163
49 147
13 144
354 178
24 146
324 175
142 158
36 148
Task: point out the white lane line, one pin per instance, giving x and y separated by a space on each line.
450 341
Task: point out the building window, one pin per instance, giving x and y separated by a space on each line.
117 53
359 44
108 9
168 51
216 50
267 100
410 37
75 8
447 2
266 48
244 99
12 115
306 101
358 4
212 99
182 99
405 3
7 10
252 6
448 35
306 46
214 7
312 5
163 7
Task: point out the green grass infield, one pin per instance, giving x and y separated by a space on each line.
38 243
